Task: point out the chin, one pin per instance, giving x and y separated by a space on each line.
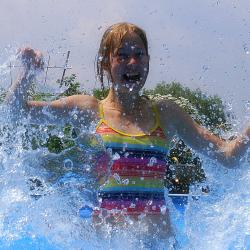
133 88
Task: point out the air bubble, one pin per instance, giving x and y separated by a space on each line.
125 182
68 164
132 205
117 178
163 209
152 161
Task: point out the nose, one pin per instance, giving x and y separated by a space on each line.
133 60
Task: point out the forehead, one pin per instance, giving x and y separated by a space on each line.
131 40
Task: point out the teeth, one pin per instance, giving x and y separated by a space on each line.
132 77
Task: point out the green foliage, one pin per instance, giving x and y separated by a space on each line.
72 86
54 144
100 94
3 94
42 96
208 111
185 169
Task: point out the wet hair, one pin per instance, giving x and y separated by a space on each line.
111 40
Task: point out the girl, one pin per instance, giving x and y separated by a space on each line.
133 128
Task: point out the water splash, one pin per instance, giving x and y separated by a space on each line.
42 194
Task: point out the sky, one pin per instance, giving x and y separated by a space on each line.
202 44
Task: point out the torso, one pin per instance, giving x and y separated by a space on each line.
134 181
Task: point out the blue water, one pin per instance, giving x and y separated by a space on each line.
40 242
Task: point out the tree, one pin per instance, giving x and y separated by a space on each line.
207 110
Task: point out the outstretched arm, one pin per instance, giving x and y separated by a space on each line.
17 95
179 122
77 110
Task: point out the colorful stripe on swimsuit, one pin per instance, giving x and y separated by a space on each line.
135 176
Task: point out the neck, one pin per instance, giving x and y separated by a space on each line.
126 103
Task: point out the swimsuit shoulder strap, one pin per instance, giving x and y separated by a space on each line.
101 115
157 115
101 112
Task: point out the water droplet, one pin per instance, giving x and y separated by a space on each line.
100 58
229 106
172 167
68 164
150 202
152 161
60 134
116 156
126 155
125 182
247 105
117 178
141 216
211 145
132 205
109 151
116 87
163 209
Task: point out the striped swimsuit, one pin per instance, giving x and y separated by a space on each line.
135 176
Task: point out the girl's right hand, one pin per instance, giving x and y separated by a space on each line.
31 59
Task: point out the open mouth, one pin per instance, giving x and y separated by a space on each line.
132 77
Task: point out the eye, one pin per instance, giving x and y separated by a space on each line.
139 53
122 55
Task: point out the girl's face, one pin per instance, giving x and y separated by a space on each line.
129 65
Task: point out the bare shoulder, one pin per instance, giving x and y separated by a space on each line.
168 108
172 116
78 101
84 101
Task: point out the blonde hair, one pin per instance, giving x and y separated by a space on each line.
111 40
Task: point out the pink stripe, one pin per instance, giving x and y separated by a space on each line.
140 206
139 164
